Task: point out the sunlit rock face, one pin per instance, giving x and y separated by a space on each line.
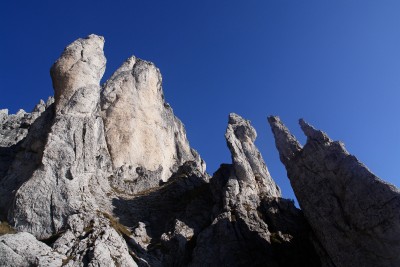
104 176
248 163
76 76
354 214
141 129
75 162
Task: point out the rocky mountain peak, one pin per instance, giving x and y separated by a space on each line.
141 129
313 133
105 176
346 205
77 73
248 163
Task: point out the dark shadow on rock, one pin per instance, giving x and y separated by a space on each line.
231 243
291 235
186 197
23 159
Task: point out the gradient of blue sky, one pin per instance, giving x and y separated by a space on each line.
334 63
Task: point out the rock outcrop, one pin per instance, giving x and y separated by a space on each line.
90 240
105 176
247 204
56 165
75 161
22 249
23 137
249 166
141 129
354 214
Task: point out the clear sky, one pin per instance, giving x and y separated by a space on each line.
334 63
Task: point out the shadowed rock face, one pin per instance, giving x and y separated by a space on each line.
105 176
354 214
244 231
22 138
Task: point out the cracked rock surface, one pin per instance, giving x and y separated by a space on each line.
103 175
75 155
243 231
90 240
22 249
354 214
141 129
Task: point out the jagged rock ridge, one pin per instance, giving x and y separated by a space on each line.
105 176
354 214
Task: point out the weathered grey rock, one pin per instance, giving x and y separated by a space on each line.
106 176
21 150
22 249
140 235
90 240
14 127
166 220
354 214
75 161
62 167
76 76
243 231
141 129
250 169
129 180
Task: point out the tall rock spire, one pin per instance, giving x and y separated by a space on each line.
247 161
141 128
75 161
76 75
354 214
249 216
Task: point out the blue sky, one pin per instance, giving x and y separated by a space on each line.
334 63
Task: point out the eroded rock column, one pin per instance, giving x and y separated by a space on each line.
142 133
354 214
75 160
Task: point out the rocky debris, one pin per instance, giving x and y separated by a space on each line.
353 213
75 163
141 129
91 240
22 249
242 232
